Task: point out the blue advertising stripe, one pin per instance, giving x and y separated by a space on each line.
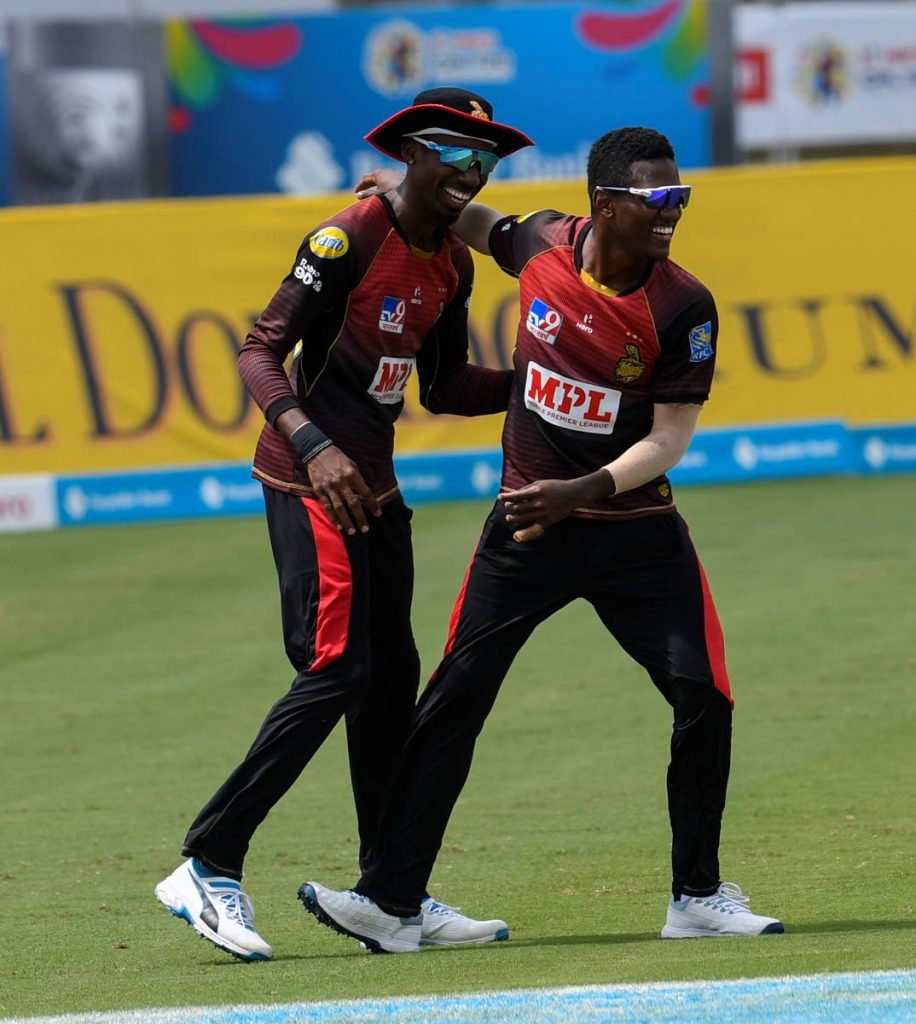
715 456
886 449
768 452
880 997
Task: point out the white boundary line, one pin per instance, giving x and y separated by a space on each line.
875 997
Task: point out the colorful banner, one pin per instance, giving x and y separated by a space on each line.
120 324
296 96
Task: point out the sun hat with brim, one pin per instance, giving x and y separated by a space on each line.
453 112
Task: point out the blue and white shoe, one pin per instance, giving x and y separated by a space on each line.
445 926
726 912
216 908
355 915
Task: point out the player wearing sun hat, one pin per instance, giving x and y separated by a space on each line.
377 291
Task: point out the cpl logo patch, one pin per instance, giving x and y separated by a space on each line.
629 367
329 243
701 342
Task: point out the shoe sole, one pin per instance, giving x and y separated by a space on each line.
309 899
182 912
668 932
499 936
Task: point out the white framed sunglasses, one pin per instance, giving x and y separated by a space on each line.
665 197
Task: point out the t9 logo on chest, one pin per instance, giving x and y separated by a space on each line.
543 322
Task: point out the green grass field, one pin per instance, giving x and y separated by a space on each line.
136 664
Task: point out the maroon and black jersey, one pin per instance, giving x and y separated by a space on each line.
591 363
368 308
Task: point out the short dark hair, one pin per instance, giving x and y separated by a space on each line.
612 156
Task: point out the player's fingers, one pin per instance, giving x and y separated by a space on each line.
367 497
529 533
339 515
355 508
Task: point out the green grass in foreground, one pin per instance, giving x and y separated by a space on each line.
136 664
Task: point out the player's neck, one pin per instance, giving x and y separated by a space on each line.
611 266
416 227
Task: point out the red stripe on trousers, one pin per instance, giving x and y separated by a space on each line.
456 614
335 587
715 642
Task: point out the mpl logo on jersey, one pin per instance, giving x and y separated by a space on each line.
391 319
543 322
573 404
391 379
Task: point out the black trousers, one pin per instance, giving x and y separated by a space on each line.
645 581
345 603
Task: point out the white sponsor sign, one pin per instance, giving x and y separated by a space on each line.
391 379
820 73
27 503
569 403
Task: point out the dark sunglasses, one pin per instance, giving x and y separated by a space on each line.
461 157
665 197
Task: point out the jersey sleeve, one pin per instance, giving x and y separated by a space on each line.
448 382
515 239
685 370
315 288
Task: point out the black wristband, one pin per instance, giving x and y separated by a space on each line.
308 441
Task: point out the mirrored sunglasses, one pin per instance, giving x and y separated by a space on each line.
461 157
665 197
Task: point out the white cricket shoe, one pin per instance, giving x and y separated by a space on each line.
357 916
216 908
444 926
724 913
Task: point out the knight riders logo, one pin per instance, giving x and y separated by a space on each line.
629 367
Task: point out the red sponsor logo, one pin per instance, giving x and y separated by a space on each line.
15 507
391 379
754 76
569 403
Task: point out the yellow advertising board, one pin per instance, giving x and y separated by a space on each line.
120 323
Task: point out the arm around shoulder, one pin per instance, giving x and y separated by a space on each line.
474 225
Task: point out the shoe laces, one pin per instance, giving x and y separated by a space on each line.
729 899
432 906
237 906
357 897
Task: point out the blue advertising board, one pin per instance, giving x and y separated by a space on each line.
817 448
283 105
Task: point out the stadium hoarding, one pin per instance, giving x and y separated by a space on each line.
815 74
726 455
117 353
297 95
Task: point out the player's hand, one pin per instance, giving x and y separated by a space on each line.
382 179
530 510
340 487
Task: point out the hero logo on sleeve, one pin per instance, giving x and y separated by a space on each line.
701 342
543 322
330 243
391 318
391 379
573 404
